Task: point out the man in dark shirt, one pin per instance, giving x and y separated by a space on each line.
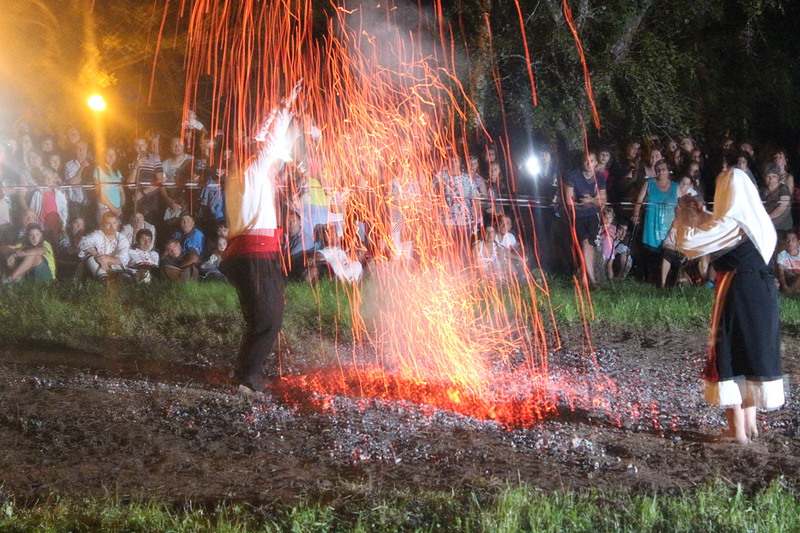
585 196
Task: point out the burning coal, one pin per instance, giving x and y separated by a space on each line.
382 112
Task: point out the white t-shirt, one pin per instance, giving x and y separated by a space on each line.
139 257
97 242
507 241
789 262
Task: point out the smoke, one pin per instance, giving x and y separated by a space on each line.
393 36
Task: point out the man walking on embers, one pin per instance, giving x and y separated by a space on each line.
252 261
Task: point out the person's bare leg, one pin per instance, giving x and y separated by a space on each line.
736 424
664 272
24 265
588 260
750 422
610 268
702 266
625 268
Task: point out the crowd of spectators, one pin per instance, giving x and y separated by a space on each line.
154 209
112 213
616 208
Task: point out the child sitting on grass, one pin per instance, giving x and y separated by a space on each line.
788 264
142 257
209 269
623 260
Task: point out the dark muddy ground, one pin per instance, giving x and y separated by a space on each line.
122 423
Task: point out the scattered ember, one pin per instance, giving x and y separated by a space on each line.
382 112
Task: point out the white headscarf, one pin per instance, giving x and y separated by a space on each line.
738 211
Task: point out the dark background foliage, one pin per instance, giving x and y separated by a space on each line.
707 68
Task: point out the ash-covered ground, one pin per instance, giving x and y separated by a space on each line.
73 422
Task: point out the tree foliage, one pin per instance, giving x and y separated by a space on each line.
706 68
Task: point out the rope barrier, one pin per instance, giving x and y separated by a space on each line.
532 201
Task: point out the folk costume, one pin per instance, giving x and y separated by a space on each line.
743 366
252 262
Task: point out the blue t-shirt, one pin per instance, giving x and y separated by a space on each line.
583 186
192 240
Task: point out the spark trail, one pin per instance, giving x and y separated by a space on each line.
381 112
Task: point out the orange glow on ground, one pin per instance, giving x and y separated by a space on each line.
391 111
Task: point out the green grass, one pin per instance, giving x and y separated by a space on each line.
633 304
715 507
204 317
163 318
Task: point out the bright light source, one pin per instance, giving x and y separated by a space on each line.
96 102
533 166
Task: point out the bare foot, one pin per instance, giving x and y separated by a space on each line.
250 394
729 434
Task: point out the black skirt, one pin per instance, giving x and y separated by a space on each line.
744 346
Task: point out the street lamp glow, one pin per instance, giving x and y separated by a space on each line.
533 166
96 102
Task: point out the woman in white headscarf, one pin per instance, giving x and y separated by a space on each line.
743 370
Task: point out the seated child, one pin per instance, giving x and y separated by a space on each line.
142 258
788 264
331 256
67 248
691 211
622 254
670 256
490 258
507 242
209 269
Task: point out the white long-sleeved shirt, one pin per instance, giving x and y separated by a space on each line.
96 241
250 198
738 213
138 257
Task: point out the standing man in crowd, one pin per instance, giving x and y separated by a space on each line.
77 173
252 262
147 174
585 195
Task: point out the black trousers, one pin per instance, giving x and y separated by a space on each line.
260 284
